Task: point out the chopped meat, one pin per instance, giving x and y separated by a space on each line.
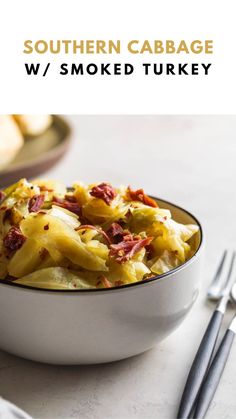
139 195
70 198
115 232
104 191
35 203
150 251
119 283
125 250
105 282
8 215
70 205
129 236
44 188
128 215
14 239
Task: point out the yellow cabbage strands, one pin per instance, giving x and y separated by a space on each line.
93 236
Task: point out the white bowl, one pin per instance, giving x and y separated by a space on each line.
101 325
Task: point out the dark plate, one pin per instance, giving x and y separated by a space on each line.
39 153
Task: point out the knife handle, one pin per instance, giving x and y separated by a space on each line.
214 374
200 365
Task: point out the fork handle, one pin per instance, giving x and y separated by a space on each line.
200 365
214 374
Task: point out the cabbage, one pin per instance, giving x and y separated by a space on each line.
56 278
91 237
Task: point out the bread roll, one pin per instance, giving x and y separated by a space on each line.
11 140
33 124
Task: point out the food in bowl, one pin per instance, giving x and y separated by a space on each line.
15 130
94 325
32 125
11 140
87 237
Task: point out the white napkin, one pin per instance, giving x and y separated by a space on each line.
10 411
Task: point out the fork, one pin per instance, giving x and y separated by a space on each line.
205 351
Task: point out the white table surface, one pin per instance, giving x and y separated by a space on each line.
190 161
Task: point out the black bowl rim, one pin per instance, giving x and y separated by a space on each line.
127 286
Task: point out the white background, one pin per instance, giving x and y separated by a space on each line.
125 20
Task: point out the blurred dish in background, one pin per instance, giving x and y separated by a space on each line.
33 124
15 130
30 145
11 140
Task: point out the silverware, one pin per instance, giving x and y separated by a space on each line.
216 369
204 354
215 288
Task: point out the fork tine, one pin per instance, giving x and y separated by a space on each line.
220 267
214 289
228 278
